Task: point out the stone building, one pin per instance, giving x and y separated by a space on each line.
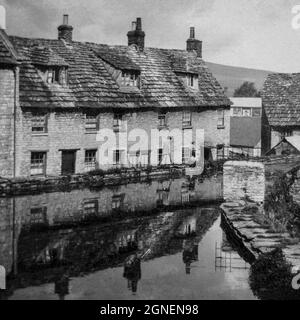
281 101
55 95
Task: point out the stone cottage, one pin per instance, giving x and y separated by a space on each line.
55 95
281 101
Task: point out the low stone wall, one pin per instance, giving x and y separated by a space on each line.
244 179
66 183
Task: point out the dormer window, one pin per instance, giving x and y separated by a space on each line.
192 80
58 75
129 79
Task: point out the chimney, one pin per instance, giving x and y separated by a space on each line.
137 35
65 31
193 44
2 18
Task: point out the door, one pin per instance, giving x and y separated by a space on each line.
68 161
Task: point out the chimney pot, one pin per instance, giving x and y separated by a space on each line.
192 32
2 18
66 19
133 25
139 24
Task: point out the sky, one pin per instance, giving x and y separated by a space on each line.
247 33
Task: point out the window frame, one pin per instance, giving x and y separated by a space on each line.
38 164
221 118
187 123
88 163
88 209
162 120
41 119
129 79
91 123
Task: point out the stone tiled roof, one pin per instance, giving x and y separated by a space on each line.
281 99
45 56
91 85
7 52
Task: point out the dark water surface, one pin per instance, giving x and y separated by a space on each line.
74 245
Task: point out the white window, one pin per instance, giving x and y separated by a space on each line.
39 123
38 163
256 112
57 75
90 206
187 119
118 123
91 123
162 119
90 159
129 79
192 80
118 157
186 155
117 201
246 112
237 111
221 119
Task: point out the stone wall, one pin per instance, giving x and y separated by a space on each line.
7 90
66 130
244 179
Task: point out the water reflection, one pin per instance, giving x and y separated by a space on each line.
55 243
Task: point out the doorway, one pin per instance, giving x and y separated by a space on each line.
68 161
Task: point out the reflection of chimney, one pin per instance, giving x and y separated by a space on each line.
137 35
65 32
193 44
2 18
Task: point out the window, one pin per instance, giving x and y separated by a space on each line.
39 123
38 216
186 155
160 155
162 119
38 163
220 152
90 159
237 112
117 201
287 133
187 119
192 80
90 206
256 112
57 75
118 122
91 123
118 156
246 112
221 120
129 79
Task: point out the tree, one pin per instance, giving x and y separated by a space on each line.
247 89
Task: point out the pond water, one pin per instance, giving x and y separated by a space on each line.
154 240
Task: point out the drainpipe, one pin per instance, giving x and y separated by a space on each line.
16 74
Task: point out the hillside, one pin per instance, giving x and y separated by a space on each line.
233 77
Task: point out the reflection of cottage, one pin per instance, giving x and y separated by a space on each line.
281 101
66 91
246 127
287 146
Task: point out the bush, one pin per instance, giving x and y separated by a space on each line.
271 277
